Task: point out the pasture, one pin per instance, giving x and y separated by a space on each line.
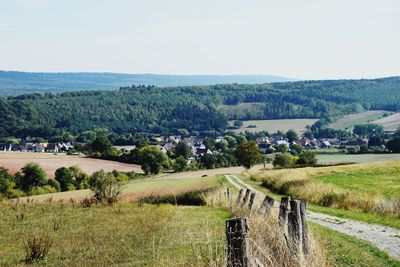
348 121
14 161
272 126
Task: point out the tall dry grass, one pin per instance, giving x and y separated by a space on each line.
269 242
300 183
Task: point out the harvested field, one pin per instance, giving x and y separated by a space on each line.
14 161
348 121
272 126
389 123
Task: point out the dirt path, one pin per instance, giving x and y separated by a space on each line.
385 238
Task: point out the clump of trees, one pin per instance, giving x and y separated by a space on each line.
305 158
106 186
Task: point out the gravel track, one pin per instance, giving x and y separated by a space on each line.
383 237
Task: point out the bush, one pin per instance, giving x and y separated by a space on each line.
41 190
284 161
55 184
105 186
307 158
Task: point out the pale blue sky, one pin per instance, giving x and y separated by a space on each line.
306 39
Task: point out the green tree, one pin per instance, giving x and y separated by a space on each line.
180 164
291 135
307 158
32 175
284 161
65 177
393 145
247 154
153 160
183 149
283 148
238 123
101 144
296 149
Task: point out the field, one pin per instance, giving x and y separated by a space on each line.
136 189
125 234
368 192
14 161
389 123
272 126
359 158
348 121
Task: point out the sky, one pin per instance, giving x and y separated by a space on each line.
307 39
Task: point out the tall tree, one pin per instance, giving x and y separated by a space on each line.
248 154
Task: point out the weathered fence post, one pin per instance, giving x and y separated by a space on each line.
237 244
303 208
228 193
266 205
251 202
294 224
283 211
239 197
246 197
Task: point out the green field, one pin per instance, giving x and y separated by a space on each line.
367 192
377 180
272 126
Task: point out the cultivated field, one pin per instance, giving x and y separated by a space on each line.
14 161
348 121
390 123
272 126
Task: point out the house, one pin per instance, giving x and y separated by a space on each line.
325 144
5 147
53 148
282 142
202 150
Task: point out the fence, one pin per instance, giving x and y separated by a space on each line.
291 217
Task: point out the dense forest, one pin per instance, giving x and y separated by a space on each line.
197 109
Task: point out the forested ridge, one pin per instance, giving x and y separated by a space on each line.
195 108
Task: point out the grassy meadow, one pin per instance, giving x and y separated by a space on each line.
125 234
348 121
368 192
356 158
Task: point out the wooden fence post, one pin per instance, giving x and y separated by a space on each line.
294 224
303 208
237 243
239 197
283 211
246 197
266 205
251 202
228 193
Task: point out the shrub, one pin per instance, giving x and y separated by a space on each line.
307 158
105 186
284 161
55 184
41 190
37 247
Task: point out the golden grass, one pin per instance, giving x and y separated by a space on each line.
269 242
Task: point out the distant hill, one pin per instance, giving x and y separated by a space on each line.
15 83
198 109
